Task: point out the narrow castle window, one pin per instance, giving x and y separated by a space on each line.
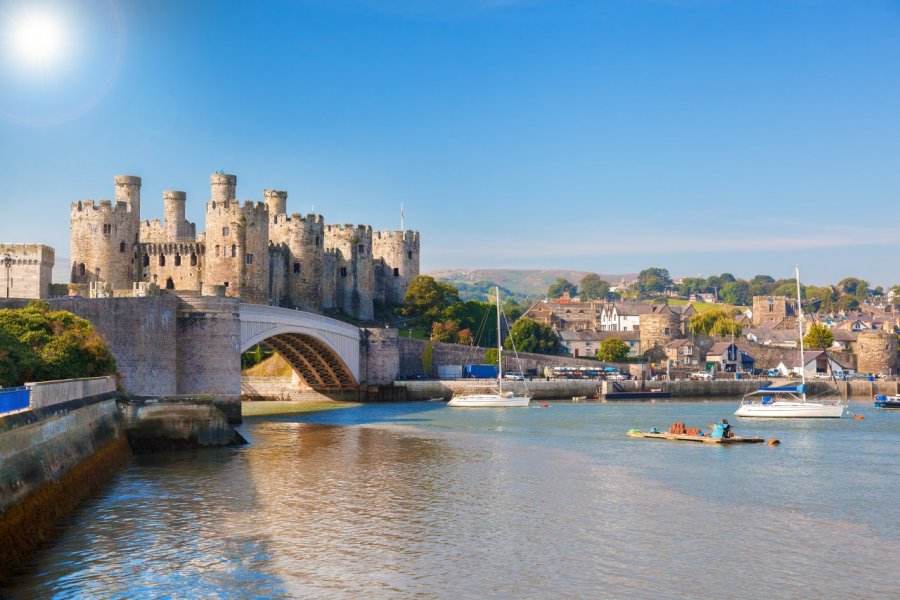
297 268
317 241
170 285
343 271
225 232
194 259
233 251
146 260
409 254
162 260
249 259
177 260
362 250
217 249
81 269
121 246
396 272
107 228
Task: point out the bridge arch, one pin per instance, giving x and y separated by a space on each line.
323 351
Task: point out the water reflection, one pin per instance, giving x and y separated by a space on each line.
427 501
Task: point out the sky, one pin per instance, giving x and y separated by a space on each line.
701 136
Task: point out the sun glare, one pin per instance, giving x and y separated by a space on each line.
38 38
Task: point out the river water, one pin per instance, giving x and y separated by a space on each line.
421 500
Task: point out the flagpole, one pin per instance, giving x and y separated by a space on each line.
402 227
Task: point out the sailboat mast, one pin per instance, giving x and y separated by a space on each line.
800 325
499 344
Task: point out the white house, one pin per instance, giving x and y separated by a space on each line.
814 361
623 316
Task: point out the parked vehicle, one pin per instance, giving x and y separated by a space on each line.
481 371
702 376
514 375
773 373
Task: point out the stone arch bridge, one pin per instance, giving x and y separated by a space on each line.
191 345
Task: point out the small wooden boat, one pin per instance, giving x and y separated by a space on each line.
579 398
705 439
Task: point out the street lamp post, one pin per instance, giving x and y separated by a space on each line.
7 262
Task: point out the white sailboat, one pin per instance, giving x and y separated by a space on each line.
791 401
498 399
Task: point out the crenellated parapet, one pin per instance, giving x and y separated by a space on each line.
253 250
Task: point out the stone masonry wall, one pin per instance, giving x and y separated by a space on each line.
208 352
30 271
141 334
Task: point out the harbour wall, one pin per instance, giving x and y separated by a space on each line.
73 436
567 388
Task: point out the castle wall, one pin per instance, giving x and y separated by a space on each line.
30 270
253 251
772 309
657 330
303 257
173 266
876 352
354 286
399 251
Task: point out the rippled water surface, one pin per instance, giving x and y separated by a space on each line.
428 501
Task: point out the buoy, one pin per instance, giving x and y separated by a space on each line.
774 442
545 405
858 417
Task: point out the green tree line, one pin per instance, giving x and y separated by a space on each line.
38 343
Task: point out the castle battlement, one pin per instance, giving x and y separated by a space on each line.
102 206
257 251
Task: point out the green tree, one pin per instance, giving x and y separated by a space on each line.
691 285
820 299
613 350
653 281
445 331
851 286
427 300
559 288
847 303
45 344
491 356
819 336
592 287
736 293
530 336
762 285
714 322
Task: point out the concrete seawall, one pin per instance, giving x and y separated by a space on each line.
71 439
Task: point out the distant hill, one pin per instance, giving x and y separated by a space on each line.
514 282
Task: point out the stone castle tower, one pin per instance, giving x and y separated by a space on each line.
657 330
255 251
104 236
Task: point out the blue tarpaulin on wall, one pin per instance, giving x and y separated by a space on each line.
15 398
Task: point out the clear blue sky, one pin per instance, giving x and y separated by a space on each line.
698 135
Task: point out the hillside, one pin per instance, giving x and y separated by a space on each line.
525 283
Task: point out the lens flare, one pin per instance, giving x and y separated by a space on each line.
38 39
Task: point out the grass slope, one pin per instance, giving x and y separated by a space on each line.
532 283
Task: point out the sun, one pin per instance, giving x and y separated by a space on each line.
38 38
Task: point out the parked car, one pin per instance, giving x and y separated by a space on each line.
617 376
819 375
514 375
702 376
773 373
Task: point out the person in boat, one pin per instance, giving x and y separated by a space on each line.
722 429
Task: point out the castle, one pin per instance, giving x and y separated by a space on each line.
254 251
